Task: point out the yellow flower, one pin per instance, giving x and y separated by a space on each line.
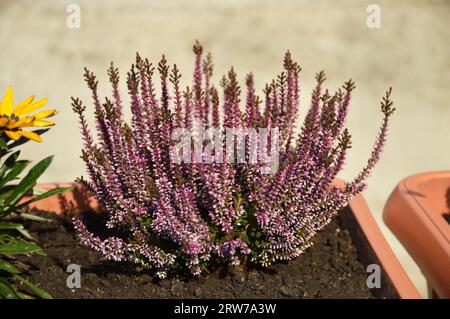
12 120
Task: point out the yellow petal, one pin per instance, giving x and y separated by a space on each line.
27 119
41 123
3 121
20 123
45 114
23 104
31 107
15 135
11 124
32 136
8 101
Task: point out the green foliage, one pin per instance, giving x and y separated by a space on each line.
14 238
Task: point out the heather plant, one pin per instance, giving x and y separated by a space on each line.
195 213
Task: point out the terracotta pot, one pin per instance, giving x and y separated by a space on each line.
357 219
77 199
414 212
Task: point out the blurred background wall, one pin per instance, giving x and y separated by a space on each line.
40 55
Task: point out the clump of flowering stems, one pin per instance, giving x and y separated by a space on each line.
190 214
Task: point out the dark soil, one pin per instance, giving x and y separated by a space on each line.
329 269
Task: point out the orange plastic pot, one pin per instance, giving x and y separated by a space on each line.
414 212
357 219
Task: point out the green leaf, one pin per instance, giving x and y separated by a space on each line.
19 227
3 145
9 225
8 267
5 238
24 296
6 191
9 163
7 291
18 168
20 247
38 291
34 217
29 181
49 193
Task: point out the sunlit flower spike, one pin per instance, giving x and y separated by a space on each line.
14 119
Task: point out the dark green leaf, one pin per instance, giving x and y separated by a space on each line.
10 225
16 226
6 191
29 180
18 168
38 291
20 247
8 267
34 217
24 296
5 238
7 291
3 145
49 193
9 163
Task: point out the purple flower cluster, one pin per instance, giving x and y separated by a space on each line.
191 213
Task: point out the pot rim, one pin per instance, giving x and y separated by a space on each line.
420 227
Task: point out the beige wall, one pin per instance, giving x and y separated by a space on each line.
410 52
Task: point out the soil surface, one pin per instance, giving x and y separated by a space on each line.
329 269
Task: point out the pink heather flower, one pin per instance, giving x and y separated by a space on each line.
189 214
263 219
